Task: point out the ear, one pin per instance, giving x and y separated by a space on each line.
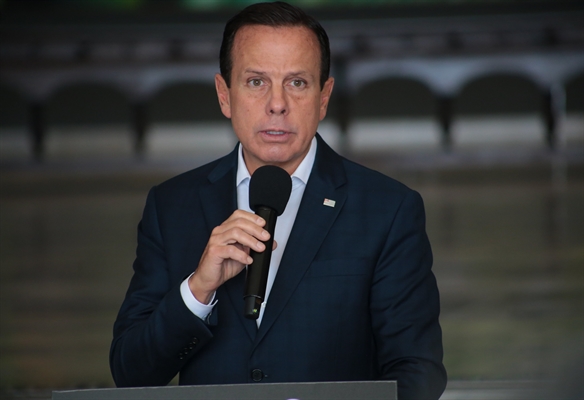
223 95
325 95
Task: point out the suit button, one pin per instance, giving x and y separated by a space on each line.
257 375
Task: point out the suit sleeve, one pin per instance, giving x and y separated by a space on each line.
405 307
155 333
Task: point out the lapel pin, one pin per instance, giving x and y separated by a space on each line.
329 203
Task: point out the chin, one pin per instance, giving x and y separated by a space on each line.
276 154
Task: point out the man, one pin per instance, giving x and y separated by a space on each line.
350 295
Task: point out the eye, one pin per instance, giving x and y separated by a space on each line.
298 83
255 82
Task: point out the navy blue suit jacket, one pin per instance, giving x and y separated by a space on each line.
354 297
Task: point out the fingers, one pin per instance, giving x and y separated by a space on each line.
243 228
219 253
227 251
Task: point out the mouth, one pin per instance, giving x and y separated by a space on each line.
276 133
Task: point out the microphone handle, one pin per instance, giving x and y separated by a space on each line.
257 272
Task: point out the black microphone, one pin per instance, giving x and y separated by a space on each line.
269 191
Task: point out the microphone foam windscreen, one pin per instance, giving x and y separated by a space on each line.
270 186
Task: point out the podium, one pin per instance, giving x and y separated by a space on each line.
370 390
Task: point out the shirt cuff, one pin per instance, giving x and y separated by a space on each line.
199 309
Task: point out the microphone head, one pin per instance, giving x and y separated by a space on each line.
270 186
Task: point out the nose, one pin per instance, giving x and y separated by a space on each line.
277 103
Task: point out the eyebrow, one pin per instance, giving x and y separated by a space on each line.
251 71
295 73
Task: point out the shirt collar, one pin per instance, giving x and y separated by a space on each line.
302 172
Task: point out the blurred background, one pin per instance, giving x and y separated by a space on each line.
478 105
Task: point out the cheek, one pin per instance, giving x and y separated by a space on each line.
247 106
309 105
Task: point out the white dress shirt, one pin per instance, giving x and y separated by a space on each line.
284 225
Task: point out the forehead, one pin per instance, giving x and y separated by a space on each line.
279 44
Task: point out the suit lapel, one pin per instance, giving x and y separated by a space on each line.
313 221
216 210
219 197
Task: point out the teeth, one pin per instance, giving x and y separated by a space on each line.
275 132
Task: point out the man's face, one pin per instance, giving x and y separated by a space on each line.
275 101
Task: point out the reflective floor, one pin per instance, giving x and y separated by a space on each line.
509 258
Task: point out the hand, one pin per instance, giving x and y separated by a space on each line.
227 253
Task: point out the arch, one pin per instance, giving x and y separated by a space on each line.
186 122
185 101
574 88
13 107
394 97
504 110
499 93
572 127
88 120
393 113
84 103
15 140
